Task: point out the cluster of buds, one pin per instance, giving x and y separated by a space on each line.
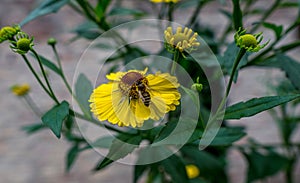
20 41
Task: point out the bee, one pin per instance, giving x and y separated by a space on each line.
139 90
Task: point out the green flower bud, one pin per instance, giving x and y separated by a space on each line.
22 44
7 32
197 87
248 41
52 41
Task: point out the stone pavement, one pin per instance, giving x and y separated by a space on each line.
40 157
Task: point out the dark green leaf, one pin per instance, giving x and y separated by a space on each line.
72 156
138 171
50 65
192 94
46 7
263 165
237 16
33 128
103 142
210 167
55 117
174 133
174 166
227 60
276 28
125 11
226 136
83 90
101 8
291 68
120 148
88 30
256 105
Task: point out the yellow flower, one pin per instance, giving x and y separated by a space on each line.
248 41
183 41
164 1
132 97
20 90
192 171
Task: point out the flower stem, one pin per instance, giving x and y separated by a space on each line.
61 69
176 58
44 75
36 76
235 65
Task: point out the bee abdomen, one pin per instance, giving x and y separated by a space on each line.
147 98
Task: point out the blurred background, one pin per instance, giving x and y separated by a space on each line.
40 157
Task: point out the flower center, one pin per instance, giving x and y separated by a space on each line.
179 37
248 40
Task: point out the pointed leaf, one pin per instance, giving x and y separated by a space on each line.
276 28
55 117
237 15
256 105
46 7
83 90
174 166
120 148
72 156
263 165
50 65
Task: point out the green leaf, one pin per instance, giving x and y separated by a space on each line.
101 8
256 105
72 156
55 117
120 148
125 11
88 30
138 171
103 142
226 136
227 60
46 7
276 28
174 166
33 128
210 167
83 90
50 65
237 16
291 68
263 165
178 134
192 94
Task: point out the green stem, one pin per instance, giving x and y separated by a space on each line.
195 14
61 69
235 65
170 12
174 63
36 76
44 75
